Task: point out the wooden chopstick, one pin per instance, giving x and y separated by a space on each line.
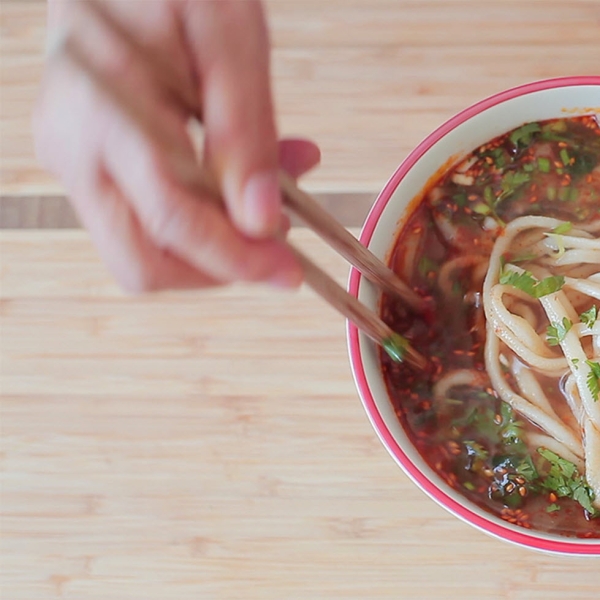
339 238
191 174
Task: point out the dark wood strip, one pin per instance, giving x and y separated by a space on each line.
55 212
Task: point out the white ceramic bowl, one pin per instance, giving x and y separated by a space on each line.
460 135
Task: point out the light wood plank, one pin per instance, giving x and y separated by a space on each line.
367 79
211 445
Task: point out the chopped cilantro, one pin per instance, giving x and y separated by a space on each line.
527 469
564 157
528 284
589 316
552 508
593 380
565 481
470 486
556 331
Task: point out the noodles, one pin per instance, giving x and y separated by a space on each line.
508 256
526 342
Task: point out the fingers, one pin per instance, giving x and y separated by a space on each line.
150 229
298 156
136 262
192 227
229 43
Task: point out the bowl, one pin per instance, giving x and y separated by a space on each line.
457 137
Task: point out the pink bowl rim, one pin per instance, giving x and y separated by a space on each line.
526 538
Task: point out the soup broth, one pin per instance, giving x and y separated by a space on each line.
456 413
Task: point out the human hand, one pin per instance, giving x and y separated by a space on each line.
151 231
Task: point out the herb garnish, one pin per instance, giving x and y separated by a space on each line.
527 283
396 346
589 316
557 331
563 228
511 182
523 135
565 481
593 379
543 164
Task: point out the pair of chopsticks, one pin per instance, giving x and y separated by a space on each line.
191 174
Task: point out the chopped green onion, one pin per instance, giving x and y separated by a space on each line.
543 164
563 228
395 346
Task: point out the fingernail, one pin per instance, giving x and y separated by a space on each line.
262 204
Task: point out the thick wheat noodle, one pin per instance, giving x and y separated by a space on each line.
541 440
411 247
526 333
525 311
577 256
445 277
572 396
571 312
587 286
547 365
530 388
469 377
570 241
592 458
554 428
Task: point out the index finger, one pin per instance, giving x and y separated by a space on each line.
230 45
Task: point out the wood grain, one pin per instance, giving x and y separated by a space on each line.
55 212
367 79
211 445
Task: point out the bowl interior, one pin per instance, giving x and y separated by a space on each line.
458 137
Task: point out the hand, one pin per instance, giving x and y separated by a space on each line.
151 231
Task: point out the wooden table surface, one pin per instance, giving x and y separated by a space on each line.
212 445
